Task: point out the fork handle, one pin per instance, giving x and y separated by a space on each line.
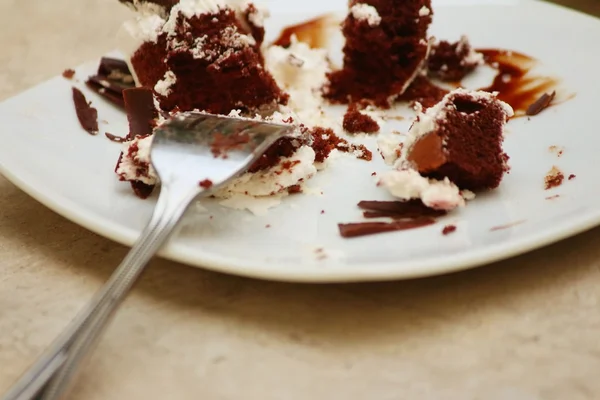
55 368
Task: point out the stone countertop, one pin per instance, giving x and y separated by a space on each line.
526 328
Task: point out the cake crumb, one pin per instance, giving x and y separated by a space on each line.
540 104
68 73
322 212
206 184
357 122
554 178
267 226
572 176
448 229
374 174
556 196
558 150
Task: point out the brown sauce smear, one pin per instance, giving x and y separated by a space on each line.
314 32
515 84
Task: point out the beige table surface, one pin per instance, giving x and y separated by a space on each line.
527 328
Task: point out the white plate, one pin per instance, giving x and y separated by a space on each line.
47 154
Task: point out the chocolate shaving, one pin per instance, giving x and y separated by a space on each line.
141 112
113 97
87 115
68 73
112 78
541 104
370 228
108 65
398 209
115 138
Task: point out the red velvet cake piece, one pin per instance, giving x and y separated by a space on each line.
461 138
386 47
453 61
204 57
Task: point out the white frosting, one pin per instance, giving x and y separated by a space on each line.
408 184
145 28
135 161
300 71
473 57
366 12
258 17
163 87
259 184
424 11
276 179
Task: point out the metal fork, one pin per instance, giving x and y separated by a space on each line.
187 150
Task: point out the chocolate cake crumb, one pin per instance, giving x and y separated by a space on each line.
294 189
357 122
115 138
554 178
322 212
68 73
206 184
424 92
556 150
87 115
572 176
541 104
453 61
267 226
448 229
358 229
142 190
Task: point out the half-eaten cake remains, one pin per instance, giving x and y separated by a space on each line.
210 56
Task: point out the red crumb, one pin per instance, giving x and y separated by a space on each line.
295 189
556 196
68 73
87 115
556 150
448 229
374 174
222 144
267 226
322 211
357 122
206 184
572 176
554 178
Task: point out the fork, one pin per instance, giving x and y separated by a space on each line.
194 154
